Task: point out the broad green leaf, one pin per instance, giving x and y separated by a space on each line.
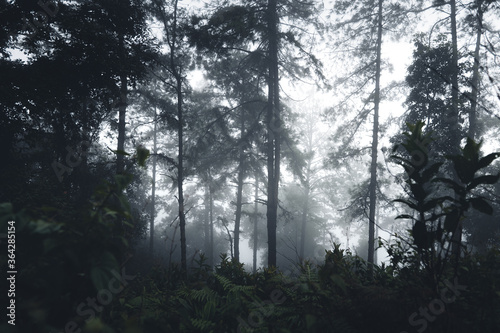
99 277
456 187
407 202
471 150
405 216
485 161
44 228
488 179
430 204
481 205
465 171
100 273
431 171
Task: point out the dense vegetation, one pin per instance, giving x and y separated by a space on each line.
129 192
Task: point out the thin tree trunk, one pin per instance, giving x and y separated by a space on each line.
239 191
475 76
273 133
375 257
211 213
224 223
180 130
457 235
305 213
454 78
207 218
303 232
255 223
180 176
122 109
85 191
373 167
153 192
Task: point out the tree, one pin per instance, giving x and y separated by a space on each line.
237 85
438 79
175 63
475 74
312 142
254 28
255 218
373 167
366 28
210 157
273 123
437 216
67 85
153 187
429 80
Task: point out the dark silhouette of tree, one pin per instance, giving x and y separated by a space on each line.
255 29
175 63
366 23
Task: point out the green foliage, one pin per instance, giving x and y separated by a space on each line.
232 270
420 176
437 216
430 81
335 296
61 262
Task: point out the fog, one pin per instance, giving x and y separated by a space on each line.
250 166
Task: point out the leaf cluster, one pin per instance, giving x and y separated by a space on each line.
436 217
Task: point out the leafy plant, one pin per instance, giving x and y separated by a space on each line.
63 262
436 216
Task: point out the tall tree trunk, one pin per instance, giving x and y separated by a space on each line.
209 225
475 75
273 132
239 190
122 109
176 72
180 179
454 124
373 166
207 218
303 232
153 192
211 205
85 190
255 222
454 78
229 238
305 212
377 219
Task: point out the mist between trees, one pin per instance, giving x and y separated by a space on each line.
258 165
